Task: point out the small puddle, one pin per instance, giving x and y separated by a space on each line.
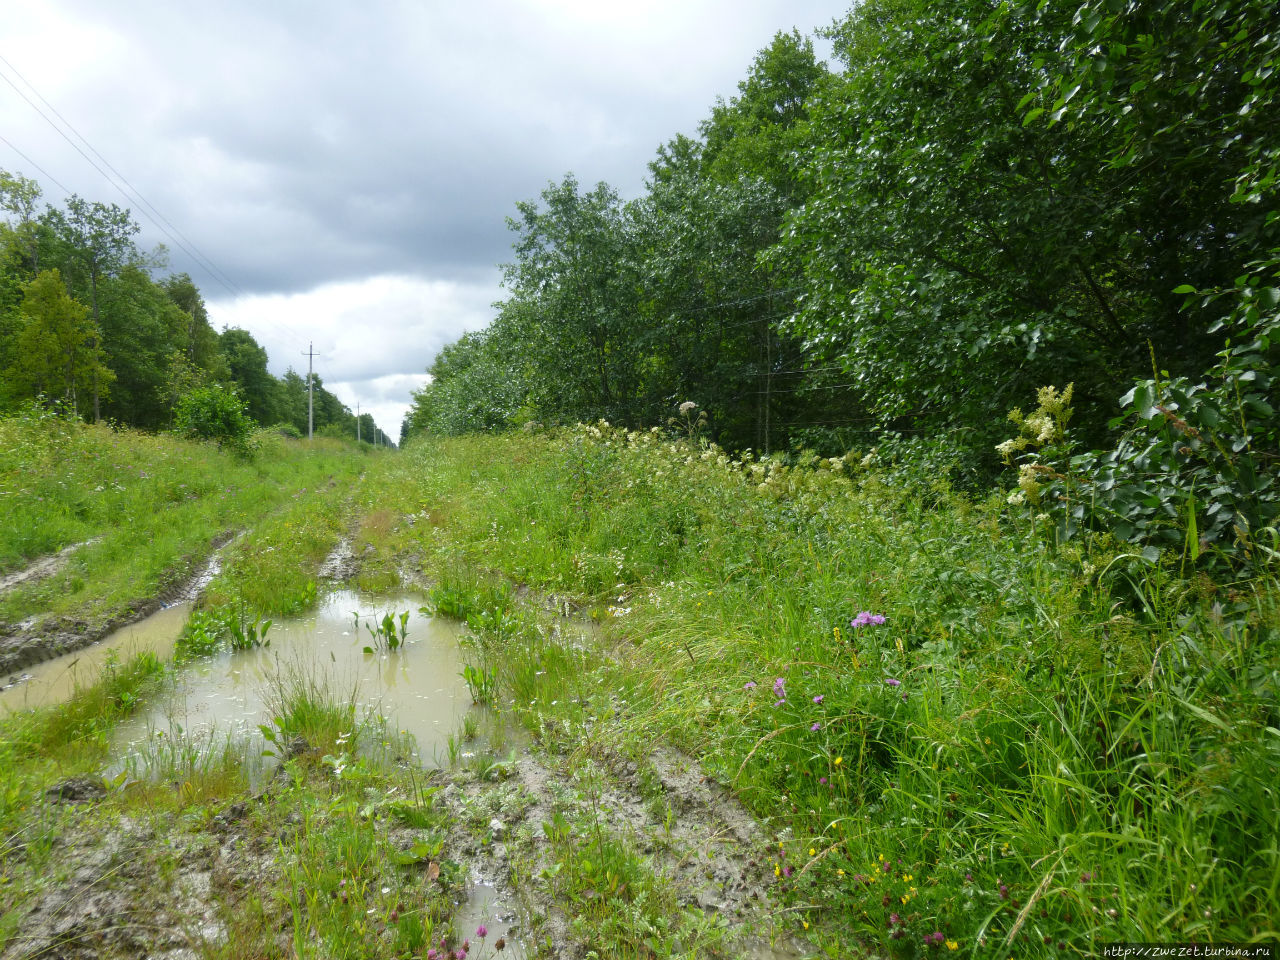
486 905
55 681
418 687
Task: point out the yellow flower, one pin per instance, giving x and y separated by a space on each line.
812 851
777 870
880 857
952 945
905 898
840 760
806 924
840 872
907 877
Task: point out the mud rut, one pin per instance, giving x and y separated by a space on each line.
127 891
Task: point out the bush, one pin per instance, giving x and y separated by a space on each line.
216 413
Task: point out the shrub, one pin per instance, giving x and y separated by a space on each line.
215 412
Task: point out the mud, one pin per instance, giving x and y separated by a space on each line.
34 641
704 842
44 567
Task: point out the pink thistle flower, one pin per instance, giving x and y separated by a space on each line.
816 727
818 698
893 683
482 931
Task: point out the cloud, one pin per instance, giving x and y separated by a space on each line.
301 151
373 338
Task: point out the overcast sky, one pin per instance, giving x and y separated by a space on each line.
341 172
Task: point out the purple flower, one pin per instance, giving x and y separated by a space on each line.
816 727
482 931
968 878
904 696
786 871
779 688
780 702
886 866
818 698
749 685
431 954
894 919
938 936
823 781
1004 892
893 683
866 618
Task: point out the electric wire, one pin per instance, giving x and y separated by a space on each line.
121 190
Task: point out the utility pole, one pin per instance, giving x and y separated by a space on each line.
310 404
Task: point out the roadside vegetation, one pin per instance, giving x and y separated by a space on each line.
963 735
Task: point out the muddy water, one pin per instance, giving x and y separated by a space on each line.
418 687
54 681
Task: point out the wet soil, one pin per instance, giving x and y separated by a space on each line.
37 639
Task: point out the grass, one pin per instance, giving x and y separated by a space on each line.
1041 745
154 505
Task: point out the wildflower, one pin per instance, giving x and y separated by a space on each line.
886 867
786 871
431 954
865 618
840 872
818 698
816 727
904 696
937 937
893 683
777 870
839 760
780 702
812 851
749 685
823 781
894 920
688 407
779 687
482 931
500 943
1004 892
952 945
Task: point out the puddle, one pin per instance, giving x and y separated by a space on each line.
486 905
418 687
54 681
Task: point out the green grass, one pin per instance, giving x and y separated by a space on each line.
1055 744
156 505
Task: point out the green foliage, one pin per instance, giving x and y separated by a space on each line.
216 413
1071 701
387 634
55 352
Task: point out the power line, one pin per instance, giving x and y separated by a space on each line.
178 243
47 175
203 260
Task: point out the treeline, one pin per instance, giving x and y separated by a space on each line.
86 324
985 199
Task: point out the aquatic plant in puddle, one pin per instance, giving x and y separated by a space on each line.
388 634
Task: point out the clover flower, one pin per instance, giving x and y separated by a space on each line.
818 698
482 931
749 685
866 618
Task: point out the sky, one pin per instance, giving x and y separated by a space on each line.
339 174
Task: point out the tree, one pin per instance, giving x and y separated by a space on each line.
247 362
141 326
56 352
99 237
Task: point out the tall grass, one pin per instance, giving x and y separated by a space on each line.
1040 745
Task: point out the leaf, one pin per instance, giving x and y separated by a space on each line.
1031 115
1184 288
